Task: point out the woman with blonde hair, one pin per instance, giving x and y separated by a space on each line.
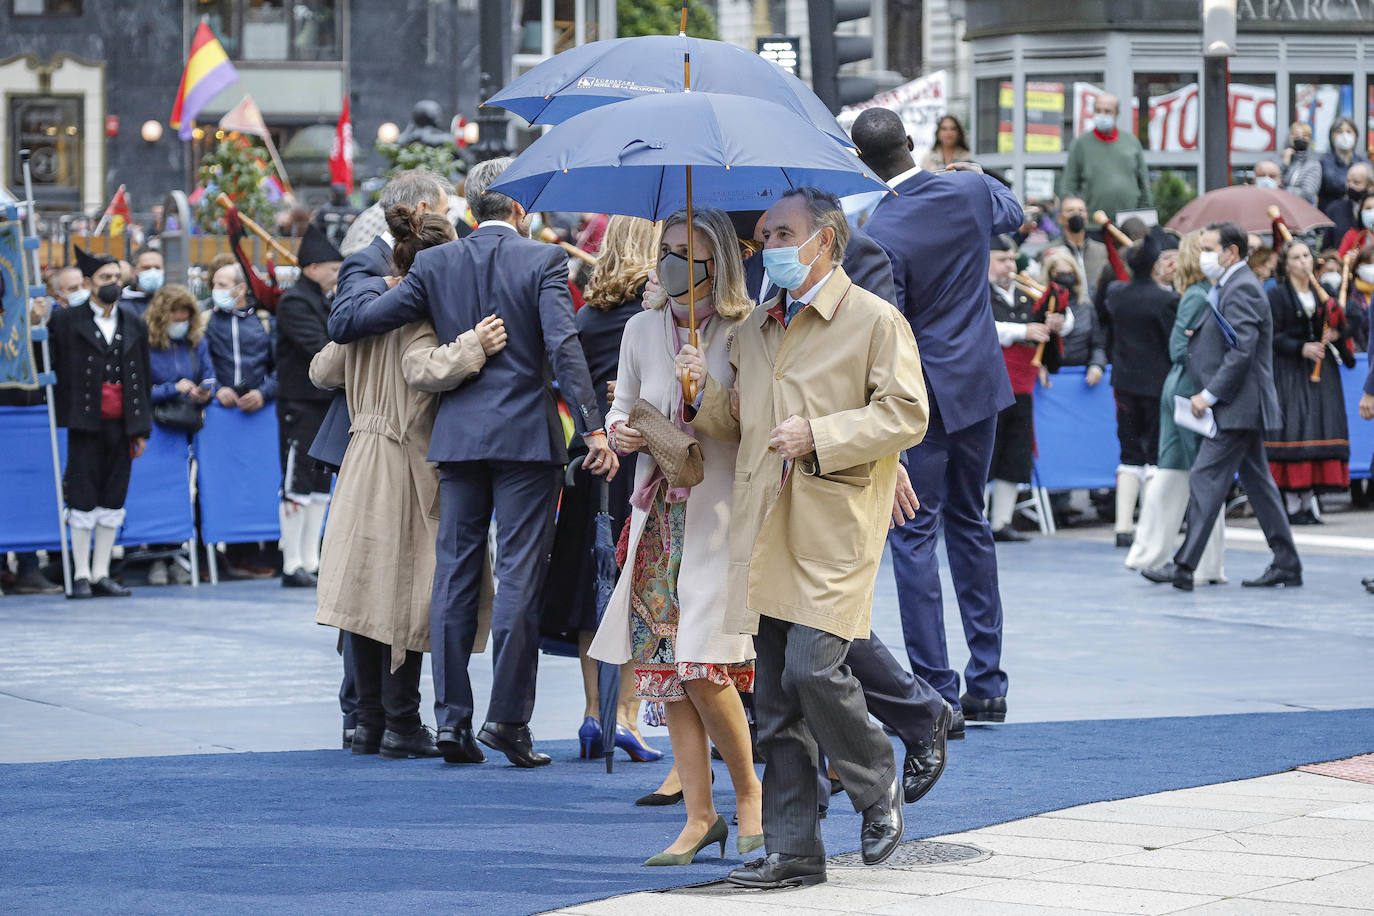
1166 498
667 611
614 295
1059 266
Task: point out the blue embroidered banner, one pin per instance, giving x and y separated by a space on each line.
16 350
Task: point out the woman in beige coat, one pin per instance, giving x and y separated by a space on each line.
377 567
667 610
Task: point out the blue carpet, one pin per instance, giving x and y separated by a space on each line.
312 830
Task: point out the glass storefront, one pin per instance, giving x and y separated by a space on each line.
49 126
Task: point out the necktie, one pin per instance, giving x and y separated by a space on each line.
1228 332
793 307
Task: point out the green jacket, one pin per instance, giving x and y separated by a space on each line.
1108 176
1178 447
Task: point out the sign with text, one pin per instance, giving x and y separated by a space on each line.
16 352
1173 117
920 103
783 50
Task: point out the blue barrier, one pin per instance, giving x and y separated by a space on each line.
159 501
1361 431
240 475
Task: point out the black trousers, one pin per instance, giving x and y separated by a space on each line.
298 422
1013 451
98 465
1137 428
385 698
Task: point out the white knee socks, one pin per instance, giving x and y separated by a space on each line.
1003 503
310 535
1129 478
104 539
81 553
292 517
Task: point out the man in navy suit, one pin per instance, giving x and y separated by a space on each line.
936 231
499 445
425 192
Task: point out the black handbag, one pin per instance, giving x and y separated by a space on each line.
180 413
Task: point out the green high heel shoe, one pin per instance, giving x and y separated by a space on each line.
747 844
718 833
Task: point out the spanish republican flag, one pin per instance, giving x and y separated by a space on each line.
207 72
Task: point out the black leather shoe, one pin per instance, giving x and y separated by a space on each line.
984 709
1161 574
1273 577
298 579
458 746
780 870
347 738
1009 535
34 582
956 724
1125 540
81 588
514 740
419 743
925 762
367 740
109 588
883 826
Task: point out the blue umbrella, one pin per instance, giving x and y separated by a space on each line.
740 153
603 72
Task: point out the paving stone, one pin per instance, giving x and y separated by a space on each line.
919 881
1036 848
964 906
1003 866
1205 798
1361 812
1300 785
1328 847
1243 863
1250 907
1108 874
1324 824
1101 899
1132 811
1353 888
1133 834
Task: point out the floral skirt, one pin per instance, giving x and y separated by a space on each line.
654 618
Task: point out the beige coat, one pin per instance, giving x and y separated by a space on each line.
806 549
646 371
377 565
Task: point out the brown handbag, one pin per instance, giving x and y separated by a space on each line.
677 454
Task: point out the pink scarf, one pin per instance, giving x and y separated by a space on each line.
643 496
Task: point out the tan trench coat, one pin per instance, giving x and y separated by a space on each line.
377 564
806 548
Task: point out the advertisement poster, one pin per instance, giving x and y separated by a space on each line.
1044 117
921 103
1173 117
1006 100
16 354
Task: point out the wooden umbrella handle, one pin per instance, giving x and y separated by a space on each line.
282 251
1107 225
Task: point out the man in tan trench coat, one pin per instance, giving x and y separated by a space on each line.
828 391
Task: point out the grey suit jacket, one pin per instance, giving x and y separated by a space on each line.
1241 376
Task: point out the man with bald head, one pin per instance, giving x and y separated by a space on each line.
1344 211
1106 166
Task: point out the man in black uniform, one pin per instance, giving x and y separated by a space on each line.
100 353
302 314
336 216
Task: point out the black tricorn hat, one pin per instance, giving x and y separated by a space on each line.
90 263
316 247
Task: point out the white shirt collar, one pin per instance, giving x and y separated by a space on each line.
389 239
811 293
1007 293
105 325
909 173
499 223
1229 271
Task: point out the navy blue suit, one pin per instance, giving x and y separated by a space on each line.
499 444
864 261
936 231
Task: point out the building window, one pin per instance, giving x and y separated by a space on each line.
1172 106
45 7
1318 100
992 117
1058 108
1254 113
50 128
275 30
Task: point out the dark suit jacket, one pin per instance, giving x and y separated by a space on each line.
1137 321
507 412
332 440
301 333
78 355
1241 377
936 232
864 261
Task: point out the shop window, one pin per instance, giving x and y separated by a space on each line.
1057 109
992 119
45 7
50 128
564 25
272 30
1319 100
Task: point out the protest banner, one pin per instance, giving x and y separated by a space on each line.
920 103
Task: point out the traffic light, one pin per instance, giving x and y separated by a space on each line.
829 51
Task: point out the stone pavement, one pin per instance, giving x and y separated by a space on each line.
1291 843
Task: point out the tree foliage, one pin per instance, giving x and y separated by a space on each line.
1171 193
238 168
442 159
663 17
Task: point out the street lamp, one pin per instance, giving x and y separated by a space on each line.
151 131
388 132
1218 44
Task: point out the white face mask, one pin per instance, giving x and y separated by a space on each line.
1344 141
223 299
1104 123
1365 272
78 297
1331 278
178 330
1265 181
1210 262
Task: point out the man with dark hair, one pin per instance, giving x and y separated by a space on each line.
148 279
936 231
1231 356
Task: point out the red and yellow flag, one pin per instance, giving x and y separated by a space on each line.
207 72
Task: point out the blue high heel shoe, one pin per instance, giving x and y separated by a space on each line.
638 751
589 738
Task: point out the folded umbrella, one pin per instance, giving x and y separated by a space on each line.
604 72
1248 207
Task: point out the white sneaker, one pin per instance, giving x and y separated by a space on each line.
157 573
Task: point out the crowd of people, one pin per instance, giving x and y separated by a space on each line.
770 400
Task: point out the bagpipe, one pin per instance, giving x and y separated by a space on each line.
1112 237
1332 311
267 292
1050 299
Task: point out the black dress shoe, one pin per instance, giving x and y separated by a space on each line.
984 709
419 743
956 724
109 588
367 740
34 582
1367 581
925 762
347 738
514 740
780 870
81 588
299 579
1009 535
1273 577
883 826
1304 517
458 746
1124 540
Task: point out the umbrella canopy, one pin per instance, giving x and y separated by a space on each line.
628 158
1248 207
603 72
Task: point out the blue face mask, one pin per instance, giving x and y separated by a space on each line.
79 297
178 330
1264 181
223 299
1367 218
150 280
784 267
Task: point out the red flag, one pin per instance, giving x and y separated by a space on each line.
341 153
116 215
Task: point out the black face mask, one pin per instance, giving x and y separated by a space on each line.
108 293
1075 223
1355 195
1068 281
1299 146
